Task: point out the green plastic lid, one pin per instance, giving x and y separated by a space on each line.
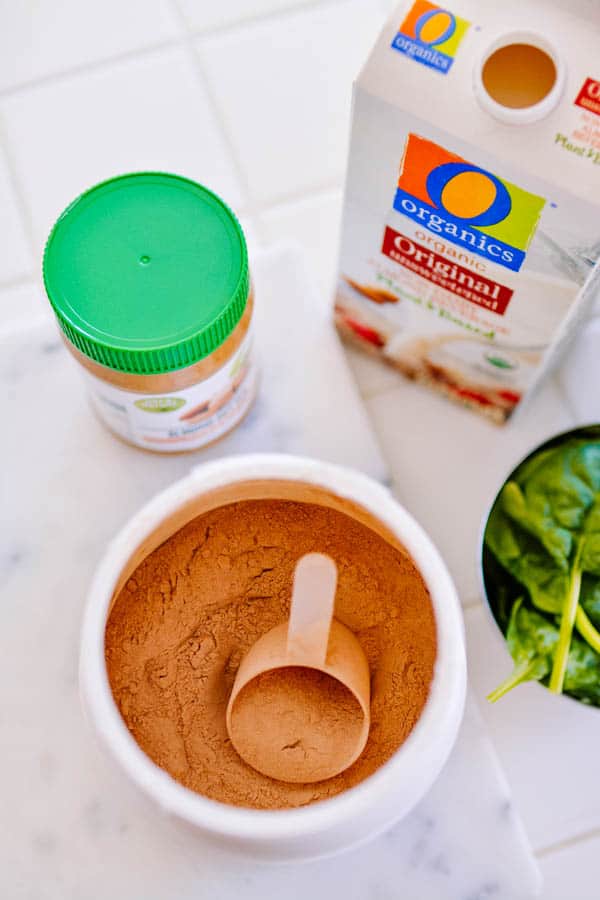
147 273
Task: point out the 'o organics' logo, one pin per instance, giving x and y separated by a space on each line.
430 35
471 207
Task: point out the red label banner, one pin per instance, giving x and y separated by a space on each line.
589 96
446 274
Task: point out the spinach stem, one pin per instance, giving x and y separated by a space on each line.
587 630
518 674
567 620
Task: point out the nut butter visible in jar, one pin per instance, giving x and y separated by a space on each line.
148 277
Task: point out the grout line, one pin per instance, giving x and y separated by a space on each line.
581 838
23 206
238 25
87 68
326 189
250 208
187 41
320 189
564 397
165 44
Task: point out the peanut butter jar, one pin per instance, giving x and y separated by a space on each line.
148 277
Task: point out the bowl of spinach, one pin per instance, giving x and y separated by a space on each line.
541 566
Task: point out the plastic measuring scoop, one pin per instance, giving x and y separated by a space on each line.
299 710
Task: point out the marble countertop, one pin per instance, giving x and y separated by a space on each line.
75 829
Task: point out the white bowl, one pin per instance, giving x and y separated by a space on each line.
373 805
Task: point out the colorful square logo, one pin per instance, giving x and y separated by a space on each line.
468 205
431 35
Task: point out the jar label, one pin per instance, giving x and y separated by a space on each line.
182 420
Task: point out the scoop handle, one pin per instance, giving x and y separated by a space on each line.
313 597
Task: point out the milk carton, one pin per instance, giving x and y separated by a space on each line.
471 223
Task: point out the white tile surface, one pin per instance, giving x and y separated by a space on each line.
285 93
447 463
149 113
15 257
541 741
205 14
47 36
253 241
315 223
580 374
572 872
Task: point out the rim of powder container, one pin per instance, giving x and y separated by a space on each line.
147 272
527 114
415 764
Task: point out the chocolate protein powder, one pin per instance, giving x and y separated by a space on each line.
190 611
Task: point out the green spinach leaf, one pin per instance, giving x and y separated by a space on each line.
582 678
531 639
525 558
589 598
545 530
